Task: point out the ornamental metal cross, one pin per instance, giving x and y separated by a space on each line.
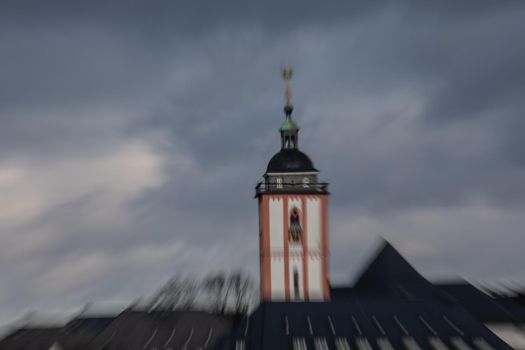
287 76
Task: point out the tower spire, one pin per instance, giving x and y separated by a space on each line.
289 130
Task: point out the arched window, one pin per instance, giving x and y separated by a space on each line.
296 293
279 182
294 228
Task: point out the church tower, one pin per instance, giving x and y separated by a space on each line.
293 220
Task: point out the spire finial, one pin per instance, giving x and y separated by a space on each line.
287 76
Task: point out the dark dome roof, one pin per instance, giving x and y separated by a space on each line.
290 161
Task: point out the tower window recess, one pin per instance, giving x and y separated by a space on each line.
294 229
279 182
296 284
306 182
286 141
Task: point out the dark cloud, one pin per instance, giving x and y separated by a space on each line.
132 135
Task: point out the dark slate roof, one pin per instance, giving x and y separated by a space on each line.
375 322
390 306
389 273
163 330
130 330
486 308
30 339
289 161
77 333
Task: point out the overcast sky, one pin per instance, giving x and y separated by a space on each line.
132 134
